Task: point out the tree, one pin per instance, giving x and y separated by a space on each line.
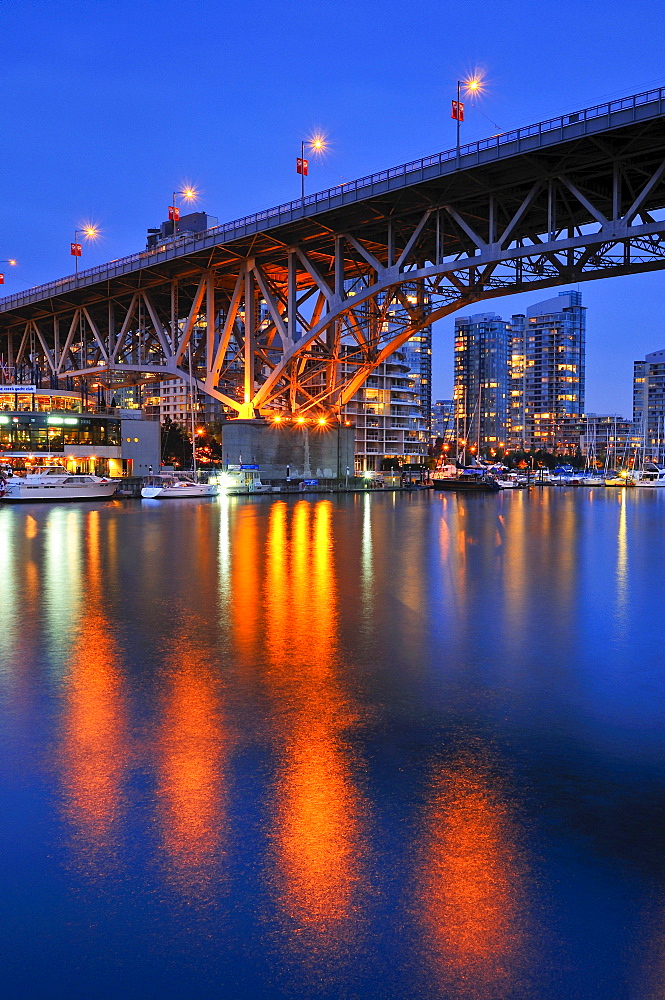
176 444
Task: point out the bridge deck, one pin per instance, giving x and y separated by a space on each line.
396 192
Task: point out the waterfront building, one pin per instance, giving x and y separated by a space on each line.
609 439
547 373
417 353
61 427
387 415
392 409
175 404
649 403
443 421
481 379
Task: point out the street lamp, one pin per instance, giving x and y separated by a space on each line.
11 262
317 146
469 88
189 194
88 232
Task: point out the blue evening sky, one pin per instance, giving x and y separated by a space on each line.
109 106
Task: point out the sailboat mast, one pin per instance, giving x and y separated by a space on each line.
480 402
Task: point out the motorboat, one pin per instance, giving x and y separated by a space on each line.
651 475
242 480
619 479
471 480
506 479
508 483
165 486
449 471
564 475
54 482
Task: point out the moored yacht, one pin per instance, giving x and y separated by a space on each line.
166 486
473 480
54 482
651 475
619 479
242 479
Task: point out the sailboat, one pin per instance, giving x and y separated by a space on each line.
168 485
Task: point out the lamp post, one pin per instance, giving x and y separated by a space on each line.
472 86
189 194
316 145
11 262
76 248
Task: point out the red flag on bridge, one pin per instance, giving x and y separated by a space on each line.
301 165
458 111
174 213
2 279
75 250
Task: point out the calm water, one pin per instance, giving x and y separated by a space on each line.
370 746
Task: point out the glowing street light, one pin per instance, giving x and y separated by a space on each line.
468 88
317 145
11 262
190 194
88 232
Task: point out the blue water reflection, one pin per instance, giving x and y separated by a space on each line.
367 746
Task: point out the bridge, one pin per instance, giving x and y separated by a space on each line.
290 309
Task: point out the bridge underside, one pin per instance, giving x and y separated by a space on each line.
294 318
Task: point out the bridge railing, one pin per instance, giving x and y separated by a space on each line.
191 240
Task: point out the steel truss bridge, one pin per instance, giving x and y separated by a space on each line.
290 309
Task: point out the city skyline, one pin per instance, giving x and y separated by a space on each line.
68 168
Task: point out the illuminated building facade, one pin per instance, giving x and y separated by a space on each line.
417 353
609 438
175 404
387 415
481 379
443 420
392 409
649 403
55 427
547 373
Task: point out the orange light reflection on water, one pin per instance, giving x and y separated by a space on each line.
472 886
94 750
317 831
246 566
190 760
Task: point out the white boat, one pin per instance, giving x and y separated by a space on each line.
651 475
241 481
507 482
165 486
54 482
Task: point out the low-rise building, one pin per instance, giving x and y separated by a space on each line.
54 426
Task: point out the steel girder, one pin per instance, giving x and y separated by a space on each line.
297 324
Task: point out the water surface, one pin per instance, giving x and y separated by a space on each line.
402 746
